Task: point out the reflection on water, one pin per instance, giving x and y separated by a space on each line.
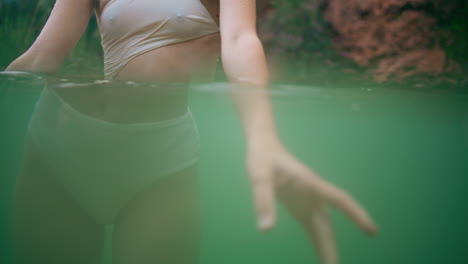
81 151
123 101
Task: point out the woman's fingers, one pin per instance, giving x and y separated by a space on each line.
319 227
264 197
335 196
344 202
312 213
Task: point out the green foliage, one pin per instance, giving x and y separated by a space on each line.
452 27
19 26
456 40
297 29
297 37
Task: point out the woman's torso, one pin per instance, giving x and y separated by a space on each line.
179 62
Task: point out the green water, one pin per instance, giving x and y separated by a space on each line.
402 154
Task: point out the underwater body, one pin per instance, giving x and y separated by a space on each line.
402 153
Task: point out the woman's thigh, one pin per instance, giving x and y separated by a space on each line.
160 224
48 226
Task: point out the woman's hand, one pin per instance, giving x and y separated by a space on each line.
274 172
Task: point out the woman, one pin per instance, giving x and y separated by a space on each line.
170 41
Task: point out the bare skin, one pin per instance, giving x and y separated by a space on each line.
274 172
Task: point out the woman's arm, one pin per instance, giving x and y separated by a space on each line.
63 29
272 170
244 63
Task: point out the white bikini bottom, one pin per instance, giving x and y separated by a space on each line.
104 164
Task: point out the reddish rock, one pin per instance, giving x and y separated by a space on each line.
395 37
429 61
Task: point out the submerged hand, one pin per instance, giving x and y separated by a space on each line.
276 173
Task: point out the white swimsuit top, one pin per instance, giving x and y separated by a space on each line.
132 27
